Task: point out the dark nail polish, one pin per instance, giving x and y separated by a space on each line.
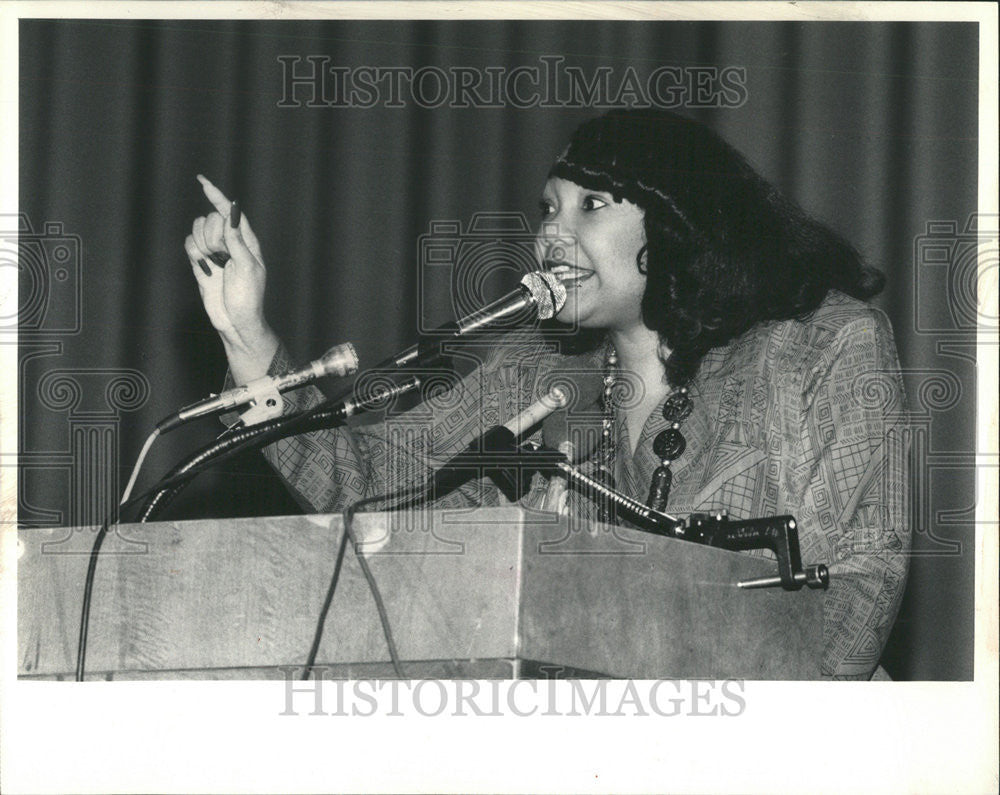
220 258
204 267
234 214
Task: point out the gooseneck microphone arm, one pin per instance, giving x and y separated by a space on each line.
318 418
641 515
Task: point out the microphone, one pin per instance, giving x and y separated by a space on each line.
575 440
557 436
565 391
540 290
265 392
498 446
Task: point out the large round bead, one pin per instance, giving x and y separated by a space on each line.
669 444
677 407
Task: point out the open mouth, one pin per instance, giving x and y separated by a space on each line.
568 275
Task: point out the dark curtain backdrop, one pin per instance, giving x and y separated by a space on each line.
872 127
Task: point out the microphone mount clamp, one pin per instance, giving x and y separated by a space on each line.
780 534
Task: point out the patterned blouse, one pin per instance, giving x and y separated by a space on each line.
794 417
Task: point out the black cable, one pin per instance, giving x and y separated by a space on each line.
348 534
172 484
236 439
88 587
383 617
320 417
316 418
324 611
410 497
224 448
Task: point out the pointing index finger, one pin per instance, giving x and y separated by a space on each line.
214 195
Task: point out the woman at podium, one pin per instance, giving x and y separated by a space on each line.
756 378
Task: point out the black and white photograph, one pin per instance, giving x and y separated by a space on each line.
558 385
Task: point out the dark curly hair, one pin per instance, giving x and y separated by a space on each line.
724 249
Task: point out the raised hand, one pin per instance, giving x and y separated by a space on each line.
233 292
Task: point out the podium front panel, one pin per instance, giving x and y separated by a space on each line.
630 604
487 593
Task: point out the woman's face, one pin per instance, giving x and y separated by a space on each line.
591 242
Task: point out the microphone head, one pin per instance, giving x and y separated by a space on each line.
340 360
574 430
548 293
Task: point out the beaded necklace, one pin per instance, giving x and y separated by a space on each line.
669 444
606 447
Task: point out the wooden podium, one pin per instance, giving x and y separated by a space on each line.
486 593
